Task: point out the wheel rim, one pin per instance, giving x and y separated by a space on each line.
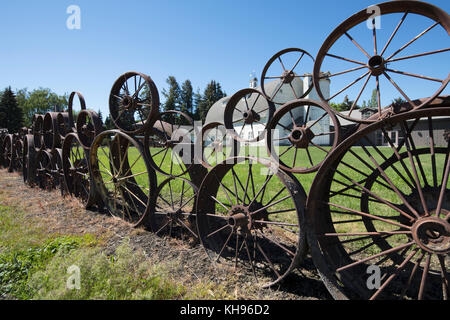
379 206
122 176
288 68
254 224
366 68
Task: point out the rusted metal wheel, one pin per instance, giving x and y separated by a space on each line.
58 170
44 174
377 212
89 125
75 161
38 125
18 156
287 77
122 176
246 115
63 125
29 160
2 160
249 215
133 102
7 152
72 106
389 60
169 145
50 131
215 145
301 134
173 212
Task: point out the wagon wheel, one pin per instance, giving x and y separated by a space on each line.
387 207
58 170
7 152
50 131
18 156
133 102
38 132
299 133
2 160
215 145
29 160
249 215
169 146
44 174
285 78
394 59
74 105
76 171
246 115
172 214
121 174
63 125
89 125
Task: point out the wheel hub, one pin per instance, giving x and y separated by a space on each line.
301 137
432 234
250 117
128 103
287 76
376 65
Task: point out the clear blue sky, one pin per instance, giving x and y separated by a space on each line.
199 40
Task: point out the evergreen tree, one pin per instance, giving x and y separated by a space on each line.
173 95
11 115
213 92
373 102
108 123
187 98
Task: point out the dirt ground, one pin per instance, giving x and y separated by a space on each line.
67 216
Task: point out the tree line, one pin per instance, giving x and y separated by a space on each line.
17 108
347 104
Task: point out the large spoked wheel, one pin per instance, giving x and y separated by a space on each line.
247 114
385 208
78 104
89 125
169 145
300 135
44 174
387 63
76 171
252 217
172 215
287 77
216 145
122 176
133 102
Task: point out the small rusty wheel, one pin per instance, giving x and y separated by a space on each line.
29 160
133 102
173 213
246 115
169 145
18 156
63 125
285 78
74 105
38 125
7 152
58 170
385 208
215 145
76 171
300 133
50 131
120 171
44 174
250 215
393 65
89 125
